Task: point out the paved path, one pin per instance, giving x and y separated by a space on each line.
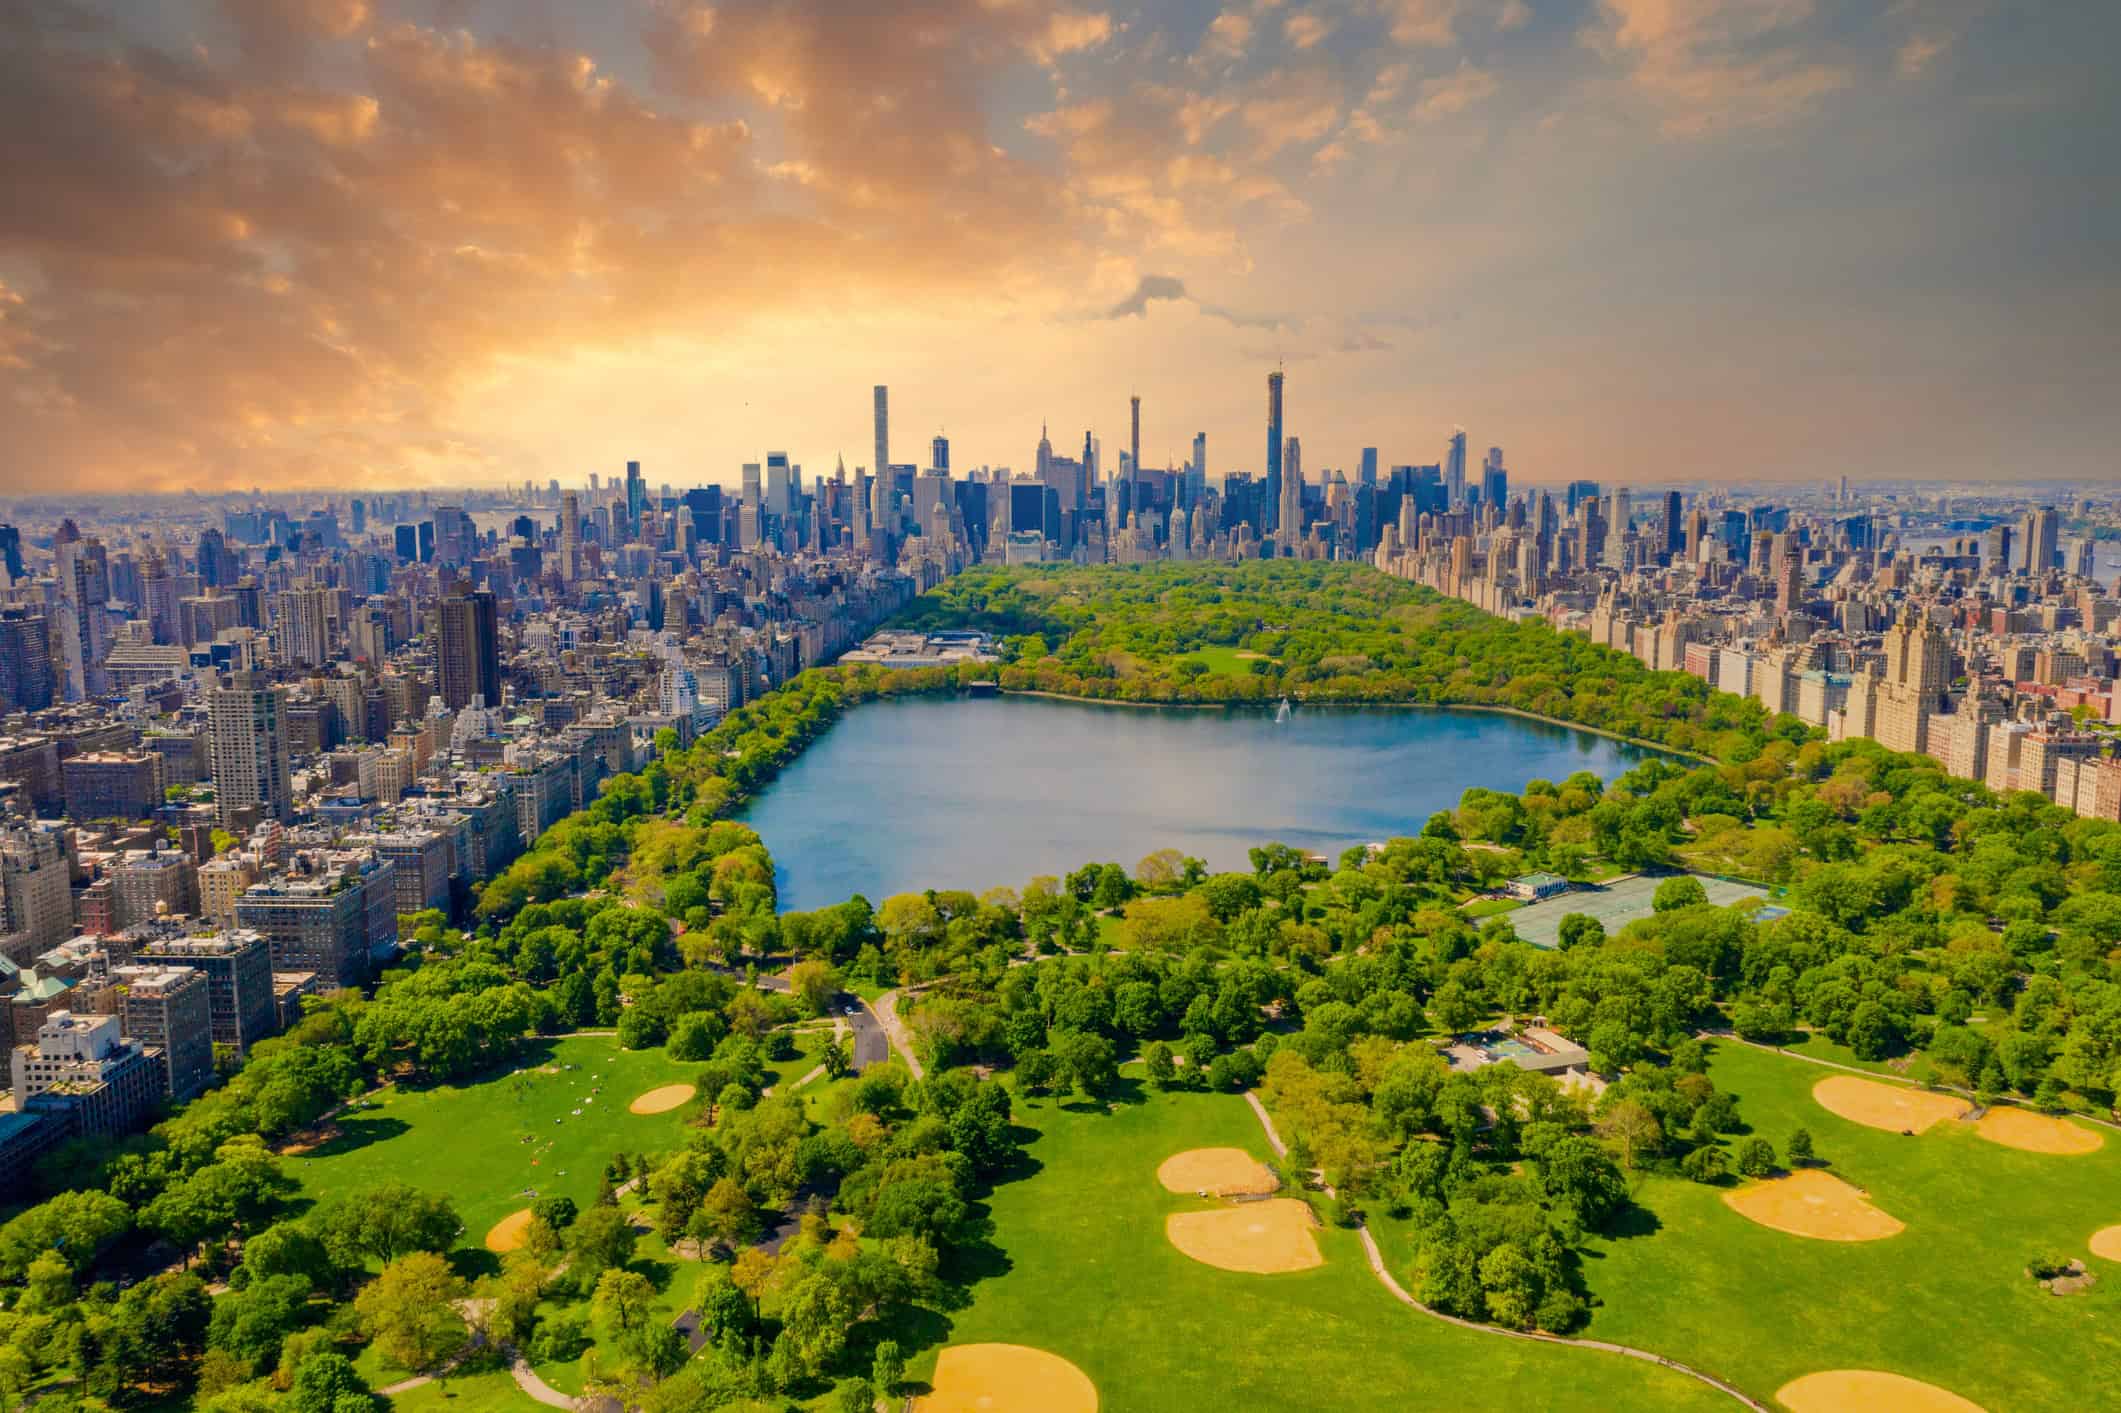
1399 1293
886 1009
527 1380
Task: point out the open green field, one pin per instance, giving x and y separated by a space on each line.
1082 1268
491 1145
1946 1301
1223 661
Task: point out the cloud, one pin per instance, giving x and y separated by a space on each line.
1147 291
1363 341
1306 28
1454 93
1713 65
1157 289
1515 14
1916 56
1430 24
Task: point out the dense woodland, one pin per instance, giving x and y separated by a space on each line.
1970 939
1321 632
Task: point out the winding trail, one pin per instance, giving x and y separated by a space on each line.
886 1010
1399 1293
527 1380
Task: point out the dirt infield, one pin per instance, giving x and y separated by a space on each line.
507 1233
1259 1238
1816 1204
1892 1107
1006 1378
662 1099
2036 1133
1219 1172
1868 1391
2106 1243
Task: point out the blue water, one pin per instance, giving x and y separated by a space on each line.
937 792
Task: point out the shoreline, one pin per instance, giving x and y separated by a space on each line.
1518 712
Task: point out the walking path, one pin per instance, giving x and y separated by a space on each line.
527 1380
1399 1293
886 1009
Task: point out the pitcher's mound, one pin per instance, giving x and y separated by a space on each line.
1815 1204
1888 1106
1220 1172
507 1233
1260 1238
2106 1243
2036 1133
1868 1391
1006 1378
662 1100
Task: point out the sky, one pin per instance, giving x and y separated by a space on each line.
393 243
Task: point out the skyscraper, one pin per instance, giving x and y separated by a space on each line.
636 498
882 464
1274 445
1454 469
25 661
939 453
305 626
470 658
247 749
1494 479
1134 439
1290 516
1368 475
570 536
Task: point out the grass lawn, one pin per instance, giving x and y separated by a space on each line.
1223 661
1491 907
809 1045
1081 1267
486 1144
466 1393
1946 1301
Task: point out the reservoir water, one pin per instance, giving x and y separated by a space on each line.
937 792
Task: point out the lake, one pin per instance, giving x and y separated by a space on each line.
943 792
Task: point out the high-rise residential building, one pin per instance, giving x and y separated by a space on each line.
247 748
1494 480
880 510
36 897
1291 513
1917 655
332 917
469 660
1454 468
149 883
2042 535
305 626
570 536
1274 387
167 1008
1134 435
25 661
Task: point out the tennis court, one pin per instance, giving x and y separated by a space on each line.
1615 905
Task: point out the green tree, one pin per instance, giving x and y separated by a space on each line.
1756 1158
410 1311
327 1383
1799 1148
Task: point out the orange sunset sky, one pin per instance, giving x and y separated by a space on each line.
345 243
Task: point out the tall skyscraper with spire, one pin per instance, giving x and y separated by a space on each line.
1454 469
1274 446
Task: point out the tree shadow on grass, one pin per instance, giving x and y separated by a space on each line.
1633 1220
474 1262
350 1135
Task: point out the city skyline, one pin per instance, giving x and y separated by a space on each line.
401 244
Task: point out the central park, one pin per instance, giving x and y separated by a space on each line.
803 1070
